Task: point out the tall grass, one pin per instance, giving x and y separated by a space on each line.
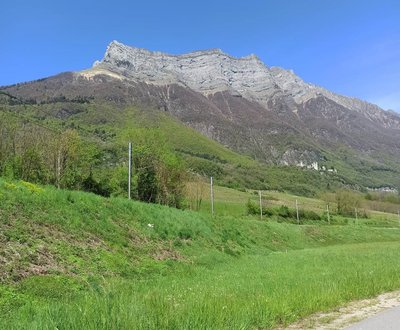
78 261
256 291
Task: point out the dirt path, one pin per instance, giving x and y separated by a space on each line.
349 314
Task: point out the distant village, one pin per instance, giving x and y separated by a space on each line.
315 166
384 189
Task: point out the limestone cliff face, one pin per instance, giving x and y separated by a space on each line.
207 72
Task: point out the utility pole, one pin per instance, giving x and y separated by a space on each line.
327 212
297 212
261 210
212 197
130 169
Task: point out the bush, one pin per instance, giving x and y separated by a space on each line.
285 212
309 215
282 212
252 208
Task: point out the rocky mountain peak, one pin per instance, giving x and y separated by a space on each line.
212 71
207 71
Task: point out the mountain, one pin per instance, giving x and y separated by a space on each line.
267 113
252 100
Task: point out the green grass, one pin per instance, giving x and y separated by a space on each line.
72 260
257 291
233 202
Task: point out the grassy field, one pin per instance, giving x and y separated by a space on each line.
233 202
72 260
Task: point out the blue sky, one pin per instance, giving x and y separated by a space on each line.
351 47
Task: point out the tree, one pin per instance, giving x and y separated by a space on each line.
159 174
347 201
146 167
38 154
195 191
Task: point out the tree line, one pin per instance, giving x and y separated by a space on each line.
65 159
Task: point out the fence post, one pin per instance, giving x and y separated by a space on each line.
398 215
297 212
261 210
212 196
327 211
129 169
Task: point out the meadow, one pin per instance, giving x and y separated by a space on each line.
233 202
73 260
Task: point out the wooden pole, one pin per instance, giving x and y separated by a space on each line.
212 196
261 210
129 169
58 168
356 215
327 212
297 212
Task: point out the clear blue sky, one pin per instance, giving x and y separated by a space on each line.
348 46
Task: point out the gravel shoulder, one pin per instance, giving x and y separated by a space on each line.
345 316
386 320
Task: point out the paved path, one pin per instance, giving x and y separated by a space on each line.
386 320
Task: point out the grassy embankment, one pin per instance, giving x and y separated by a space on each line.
71 260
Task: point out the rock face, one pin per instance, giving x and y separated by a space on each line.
207 72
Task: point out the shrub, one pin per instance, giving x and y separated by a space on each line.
252 208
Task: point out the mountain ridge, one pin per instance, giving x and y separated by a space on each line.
268 113
258 81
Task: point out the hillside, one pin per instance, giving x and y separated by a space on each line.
268 114
109 127
76 260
